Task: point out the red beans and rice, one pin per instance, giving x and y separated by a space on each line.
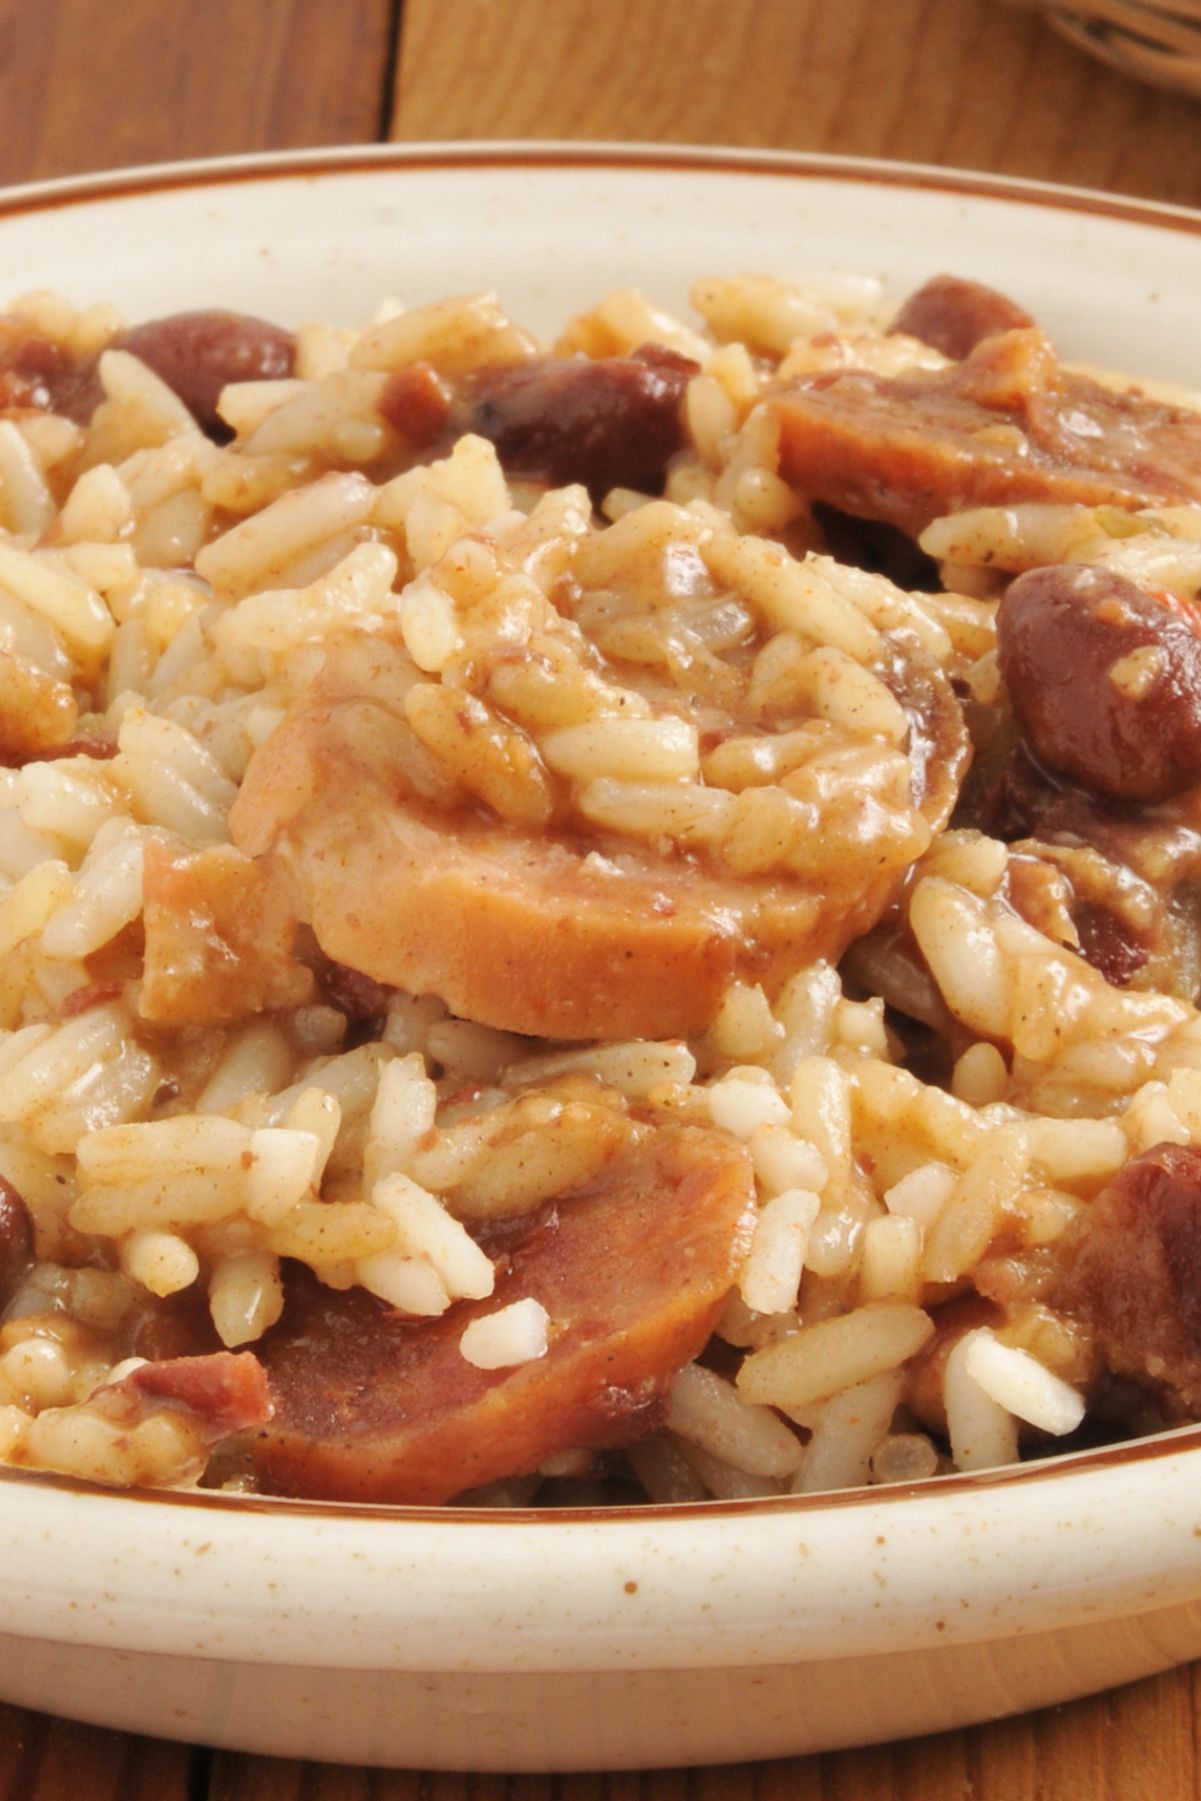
599 922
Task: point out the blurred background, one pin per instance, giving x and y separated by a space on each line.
87 84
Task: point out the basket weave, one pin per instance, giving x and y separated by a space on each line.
1151 39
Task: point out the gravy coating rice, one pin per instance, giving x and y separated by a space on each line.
600 922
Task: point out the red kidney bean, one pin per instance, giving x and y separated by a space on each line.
610 423
197 354
358 996
1125 729
416 404
953 315
1131 1270
30 366
1110 945
16 1239
36 373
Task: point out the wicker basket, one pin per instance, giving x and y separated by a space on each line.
1156 40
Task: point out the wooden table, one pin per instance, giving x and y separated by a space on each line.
88 84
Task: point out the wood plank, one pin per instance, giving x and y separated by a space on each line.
44 1759
86 84
893 78
237 1778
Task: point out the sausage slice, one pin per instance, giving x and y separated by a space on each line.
225 1391
1007 424
562 932
633 1274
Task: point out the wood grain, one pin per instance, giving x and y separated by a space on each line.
95 83
965 82
91 84
42 1759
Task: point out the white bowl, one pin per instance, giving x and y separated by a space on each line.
601 1641
658 1636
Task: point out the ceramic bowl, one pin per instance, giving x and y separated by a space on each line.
539 1641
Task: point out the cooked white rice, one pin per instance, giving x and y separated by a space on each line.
181 1121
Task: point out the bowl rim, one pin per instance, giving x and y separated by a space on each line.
712 1585
566 153
1172 1442
1113 1462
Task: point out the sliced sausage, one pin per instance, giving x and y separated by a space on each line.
225 1390
1008 424
219 937
633 1275
531 931
1104 676
954 315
